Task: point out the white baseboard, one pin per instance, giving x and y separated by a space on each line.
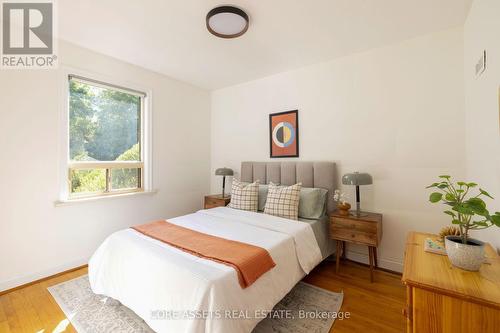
19 281
392 265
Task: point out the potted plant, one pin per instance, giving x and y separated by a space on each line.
342 205
468 212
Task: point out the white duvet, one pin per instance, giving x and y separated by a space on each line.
174 291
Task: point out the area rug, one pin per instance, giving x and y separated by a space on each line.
305 309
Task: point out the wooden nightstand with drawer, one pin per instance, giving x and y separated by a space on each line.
363 230
216 200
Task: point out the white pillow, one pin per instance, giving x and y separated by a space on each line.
283 201
244 196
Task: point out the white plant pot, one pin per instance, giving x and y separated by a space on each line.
468 256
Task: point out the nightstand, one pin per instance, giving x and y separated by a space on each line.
216 200
363 230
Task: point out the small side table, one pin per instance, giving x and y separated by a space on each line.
216 200
363 230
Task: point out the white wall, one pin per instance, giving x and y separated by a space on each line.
396 112
482 32
38 239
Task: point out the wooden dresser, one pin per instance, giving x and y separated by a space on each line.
443 298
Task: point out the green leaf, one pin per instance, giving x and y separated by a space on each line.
445 176
456 222
460 191
435 197
496 219
463 209
461 183
483 192
476 203
433 185
442 186
449 212
471 184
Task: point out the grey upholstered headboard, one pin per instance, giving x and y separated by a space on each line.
310 174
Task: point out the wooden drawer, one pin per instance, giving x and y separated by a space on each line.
353 235
212 202
350 224
208 206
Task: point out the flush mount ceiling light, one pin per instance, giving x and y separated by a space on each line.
227 22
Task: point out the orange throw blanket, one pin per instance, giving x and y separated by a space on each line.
249 261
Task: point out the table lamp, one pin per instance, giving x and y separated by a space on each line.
357 179
223 172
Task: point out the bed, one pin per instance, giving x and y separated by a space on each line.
174 291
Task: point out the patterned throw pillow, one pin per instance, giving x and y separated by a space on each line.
283 201
244 196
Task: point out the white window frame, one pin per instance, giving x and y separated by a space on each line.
146 136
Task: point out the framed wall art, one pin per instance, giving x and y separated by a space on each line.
284 134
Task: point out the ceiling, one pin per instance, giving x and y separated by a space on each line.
170 37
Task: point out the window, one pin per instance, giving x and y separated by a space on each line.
105 139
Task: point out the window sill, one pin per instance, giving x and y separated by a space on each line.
70 202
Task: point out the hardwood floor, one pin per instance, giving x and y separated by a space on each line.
32 309
373 307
